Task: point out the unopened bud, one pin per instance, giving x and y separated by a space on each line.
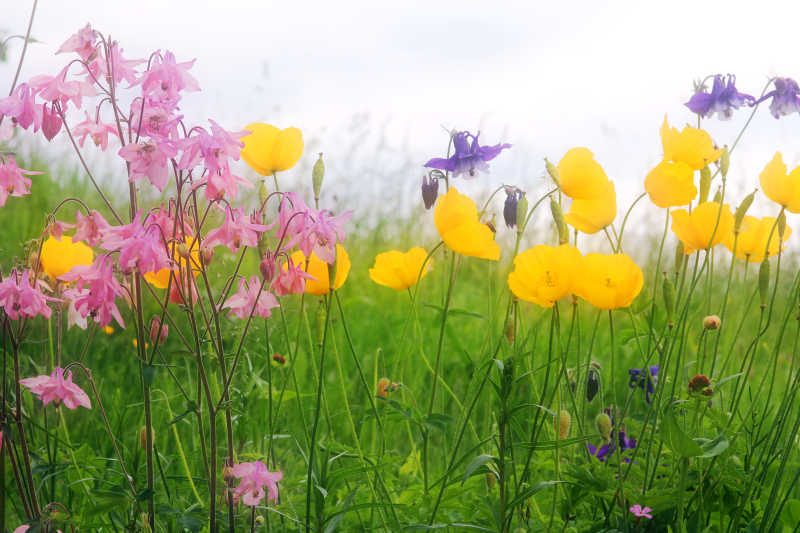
781 224
268 267
206 255
317 174
522 213
712 322
183 250
510 206
741 211
668 288
724 162
705 183
558 218
430 191
158 331
227 475
552 170
603 423
592 384
763 282
718 196
698 383
562 424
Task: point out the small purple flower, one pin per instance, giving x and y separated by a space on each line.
785 97
722 99
617 437
640 511
640 378
469 156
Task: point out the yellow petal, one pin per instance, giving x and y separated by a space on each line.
671 184
288 149
696 229
319 269
609 281
58 257
591 215
751 242
691 146
779 186
399 270
258 147
544 274
581 176
456 218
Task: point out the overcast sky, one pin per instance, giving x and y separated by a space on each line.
360 77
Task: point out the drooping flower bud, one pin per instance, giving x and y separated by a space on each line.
763 282
158 331
592 383
668 288
705 183
51 122
724 162
552 170
268 266
603 424
510 207
712 322
317 174
558 218
562 424
206 255
741 211
698 383
430 191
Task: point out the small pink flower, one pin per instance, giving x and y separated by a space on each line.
311 230
123 69
237 230
57 388
82 42
22 107
640 511
251 299
149 160
166 78
19 298
12 179
57 229
90 228
223 183
254 477
291 279
96 130
95 293
57 88
212 149
139 246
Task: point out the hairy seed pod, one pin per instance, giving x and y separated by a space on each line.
553 171
724 162
741 211
317 174
705 183
603 424
558 217
262 193
781 224
562 424
668 289
680 257
510 331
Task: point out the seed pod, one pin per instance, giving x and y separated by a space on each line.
680 257
553 171
668 289
522 212
592 384
262 193
603 423
705 183
718 196
316 176
319 322
741 211
781 224
724 162
763 282
558 217
712 322
562 424
510 331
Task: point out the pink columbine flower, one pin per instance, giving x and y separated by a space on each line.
19 298
140 246
640 511
12 179
51 122
90 228
254 477
149 160
212 149
95 293
223 182
57 229
291 279
57 388
123 69
251 299
166 78
57 88
237 230
96 130
22 107
82 42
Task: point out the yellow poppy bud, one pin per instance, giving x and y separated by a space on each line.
544 274
608 281
58 257
696 229
671 184
456 218
752 240
319 269
691 146
400 270
779 186
268 149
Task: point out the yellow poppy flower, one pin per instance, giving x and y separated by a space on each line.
268 150
752 240
691 146
695 229
544 274
58 257
608 281
781 187
591 215
160 279
400 270
671 184
456 218
580 175
319 269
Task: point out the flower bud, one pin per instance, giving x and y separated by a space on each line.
206 255
763 282
263 193
143 437
741 211
316 176
558 217
724 162
183 250
430 190
698 383
522 213
603 423
268 267
510 207
669 300
781 224
592 384
510 330
718 196
158 331
227 475
383 385
705 183
553 171
712 322
680 257
562 424
51 122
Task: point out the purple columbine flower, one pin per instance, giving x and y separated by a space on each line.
606 450
469 156
513 196
722 99
785 97
430 191
640 378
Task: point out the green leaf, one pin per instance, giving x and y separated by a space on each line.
438 421
712 448
476 463
678 441
790 515
552 444
530 491
457 312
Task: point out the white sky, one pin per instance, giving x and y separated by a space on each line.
366 77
